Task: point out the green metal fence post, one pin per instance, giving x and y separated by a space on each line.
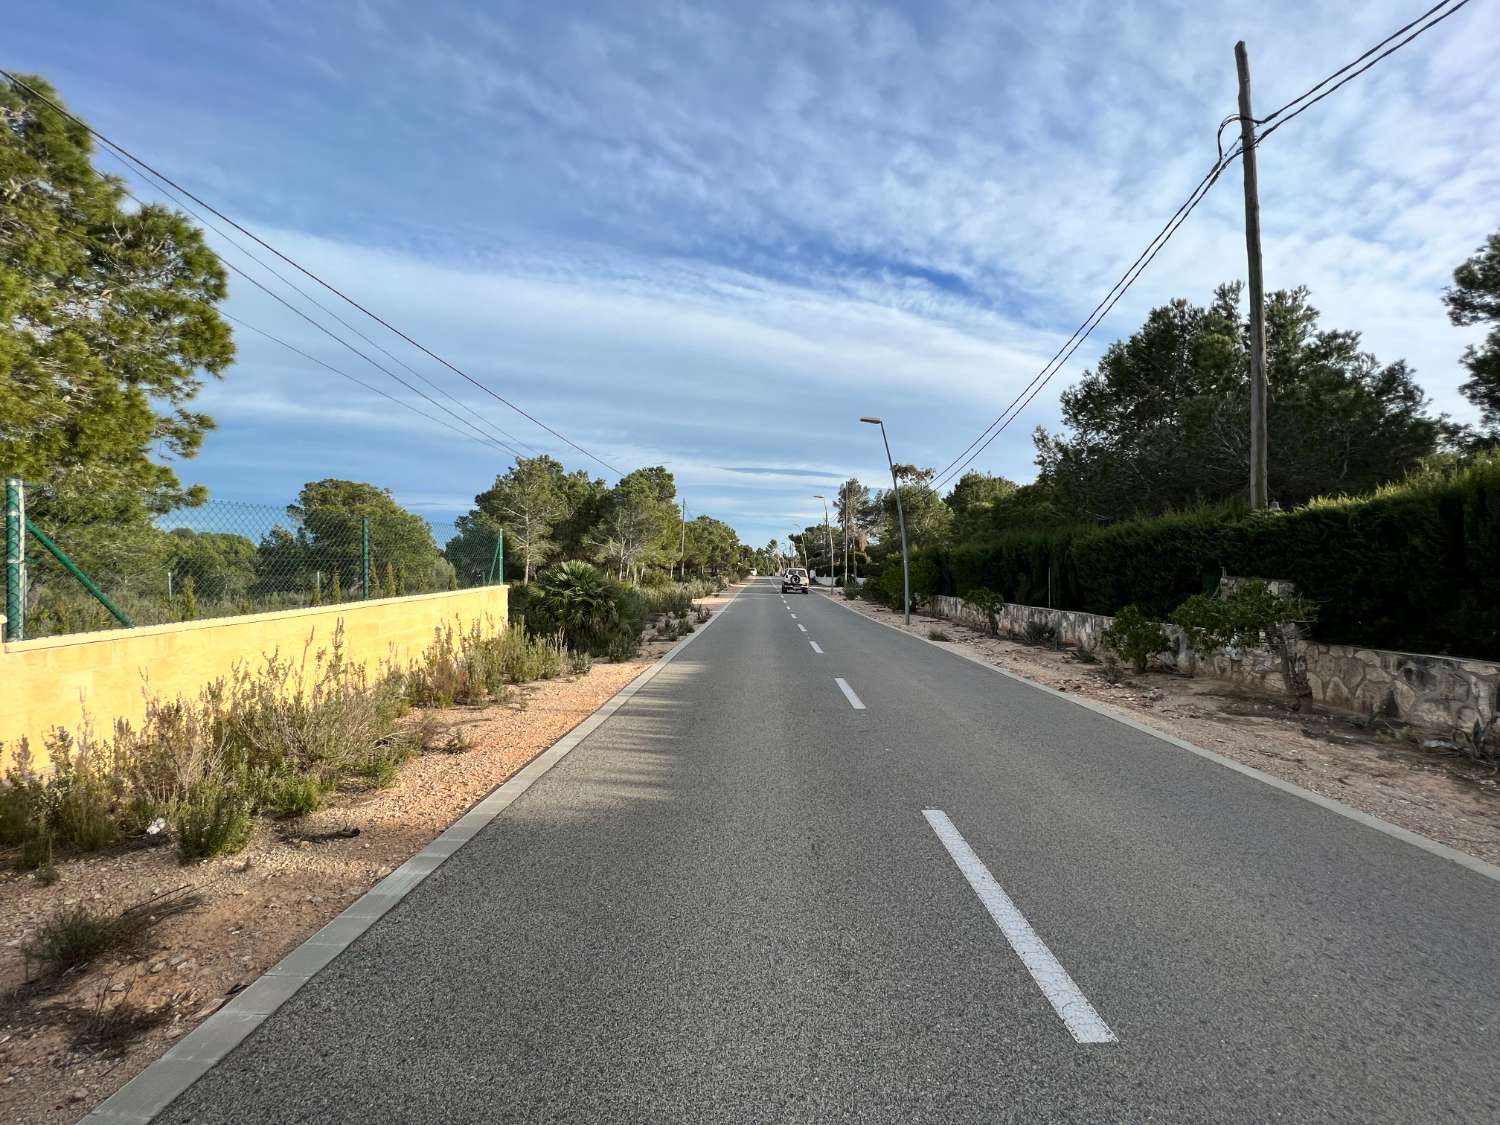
496 573
364 552
15 560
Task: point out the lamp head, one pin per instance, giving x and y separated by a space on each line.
872 421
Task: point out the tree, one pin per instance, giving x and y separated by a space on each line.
330 514
527 501
108 323
220 565
972 501
710 546
1474 298
639 527
928 520
1162 423
857 516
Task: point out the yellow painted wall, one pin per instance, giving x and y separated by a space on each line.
53 681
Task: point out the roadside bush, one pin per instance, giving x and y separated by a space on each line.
290 795
1135 638
1038 632
579 663
582 599
73 936
1250 615
988 603
212 820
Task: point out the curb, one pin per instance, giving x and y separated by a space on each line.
1432 847
155 1088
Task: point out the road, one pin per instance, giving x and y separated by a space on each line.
745 899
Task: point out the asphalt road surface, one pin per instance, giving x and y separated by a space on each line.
746 899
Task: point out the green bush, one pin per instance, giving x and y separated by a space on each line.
295 794
1250 614
212 820
74 936
583 600
36 851
579 663
1135 638
988 603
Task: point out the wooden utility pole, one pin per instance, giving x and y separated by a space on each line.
1257 288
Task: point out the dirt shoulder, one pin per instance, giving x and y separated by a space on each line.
69 1042
1438 794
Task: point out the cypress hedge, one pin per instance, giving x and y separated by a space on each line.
1413 567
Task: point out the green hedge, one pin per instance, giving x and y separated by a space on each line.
1415 567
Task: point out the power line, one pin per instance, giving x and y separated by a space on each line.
329 312
353 379
1280 117
1039 382
1086 327
483 438
314 301
1264 133
163 178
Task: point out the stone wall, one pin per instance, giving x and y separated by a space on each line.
1443 694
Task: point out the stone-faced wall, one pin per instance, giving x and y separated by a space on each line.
1444 694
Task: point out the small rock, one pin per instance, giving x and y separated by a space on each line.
1439 744
186 966
117 988
157 966
78 1096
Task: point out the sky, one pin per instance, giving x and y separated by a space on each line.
711 236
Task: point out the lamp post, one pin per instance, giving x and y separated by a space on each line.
900 518
827 531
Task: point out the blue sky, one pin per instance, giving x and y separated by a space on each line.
712 235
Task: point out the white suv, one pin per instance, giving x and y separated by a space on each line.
795 581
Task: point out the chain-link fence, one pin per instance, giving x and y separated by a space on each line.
223 558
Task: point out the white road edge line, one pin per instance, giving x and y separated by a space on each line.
816 649
1405 835
1070 1004
802 627
848 692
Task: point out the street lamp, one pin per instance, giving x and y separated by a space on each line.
900 518
826 531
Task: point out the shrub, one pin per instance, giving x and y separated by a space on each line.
1135 638
579 663
988 603
1113 670
461 666
525 657
74 936
582 599
623 646
1249 615
212 820
23 800
1038 632
295 794
36 851
83 793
